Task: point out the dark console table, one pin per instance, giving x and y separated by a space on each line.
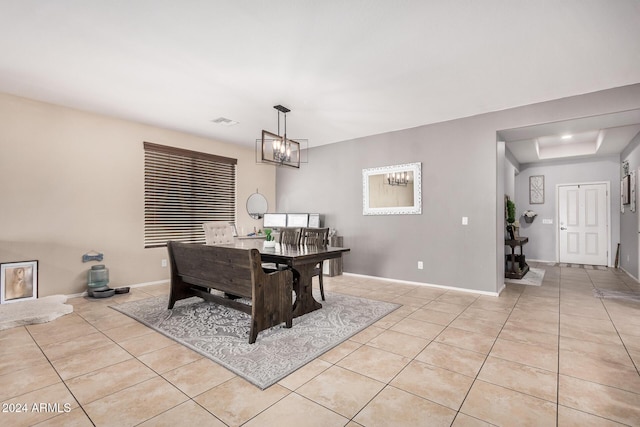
518 267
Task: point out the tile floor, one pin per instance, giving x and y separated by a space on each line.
539 356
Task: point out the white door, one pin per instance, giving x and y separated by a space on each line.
582 221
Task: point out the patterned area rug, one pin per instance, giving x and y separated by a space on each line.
533 277
222 333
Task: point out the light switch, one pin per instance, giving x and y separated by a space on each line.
547 221
465 220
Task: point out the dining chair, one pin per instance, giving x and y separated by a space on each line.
316 237
218 233
289 236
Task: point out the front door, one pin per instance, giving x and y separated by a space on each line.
582 222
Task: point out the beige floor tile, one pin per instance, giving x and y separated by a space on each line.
399 343
526 354
512 332
606 402
135 404
394 407
74 418
65 333
375 363
304 374
464 420
111 379
597 370
586 334
455 359
537 325
368 334
569 417
341 390
127 332
418 328
187 413
236 401
295 410
500 406
439 385
31 412
475 325
523 378
341 351
411 302
93 341
485 315
169 358
446 307
433 316
113 320
27 380
459 298
89 361
197 377
426 292
473 341
146 343
23 356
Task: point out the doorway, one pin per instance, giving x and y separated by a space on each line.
583 223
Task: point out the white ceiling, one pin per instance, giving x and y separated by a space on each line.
346 69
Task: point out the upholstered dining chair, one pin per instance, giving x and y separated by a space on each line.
316 237
218 233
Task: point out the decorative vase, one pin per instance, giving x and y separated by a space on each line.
269 243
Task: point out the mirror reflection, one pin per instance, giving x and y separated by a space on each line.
392 190
256 205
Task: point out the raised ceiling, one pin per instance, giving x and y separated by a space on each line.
346 69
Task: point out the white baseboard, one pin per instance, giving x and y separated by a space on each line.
452 288
137 285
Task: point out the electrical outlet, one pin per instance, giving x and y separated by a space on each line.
163 263
465 220
420 265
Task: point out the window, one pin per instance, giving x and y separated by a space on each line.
183 189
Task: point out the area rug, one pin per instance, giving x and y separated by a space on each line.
222 334
33 311
533 277
626 295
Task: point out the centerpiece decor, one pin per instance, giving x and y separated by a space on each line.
529 216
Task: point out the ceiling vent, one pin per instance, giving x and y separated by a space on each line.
224 121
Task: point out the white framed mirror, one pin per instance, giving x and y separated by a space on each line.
257 205
392 190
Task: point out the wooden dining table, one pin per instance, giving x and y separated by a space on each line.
302 260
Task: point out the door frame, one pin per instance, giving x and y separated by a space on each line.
557 216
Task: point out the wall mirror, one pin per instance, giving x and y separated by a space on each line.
392 190
256 205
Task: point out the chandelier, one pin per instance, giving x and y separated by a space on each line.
278 149
399 178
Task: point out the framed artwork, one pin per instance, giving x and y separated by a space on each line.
18 281
632 190
536 189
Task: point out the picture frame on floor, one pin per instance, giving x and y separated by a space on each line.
18 281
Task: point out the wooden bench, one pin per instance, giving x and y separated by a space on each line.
197 268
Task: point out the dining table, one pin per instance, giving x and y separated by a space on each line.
302 259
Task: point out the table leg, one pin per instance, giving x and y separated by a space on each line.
305 303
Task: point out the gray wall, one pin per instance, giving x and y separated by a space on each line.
460 177
543 237
629 220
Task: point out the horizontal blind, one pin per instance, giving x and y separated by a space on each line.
182 190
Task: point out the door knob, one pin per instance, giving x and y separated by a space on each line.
563 228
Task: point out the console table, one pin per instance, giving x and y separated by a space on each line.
519 266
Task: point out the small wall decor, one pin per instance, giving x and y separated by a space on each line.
18 281
536 189
625 192
632 189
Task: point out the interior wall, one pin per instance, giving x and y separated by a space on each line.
542 245
459 179
72 182
629 226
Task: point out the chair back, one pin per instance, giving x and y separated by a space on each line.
218 233
314 236
289 236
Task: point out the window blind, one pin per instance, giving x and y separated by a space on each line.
183 189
